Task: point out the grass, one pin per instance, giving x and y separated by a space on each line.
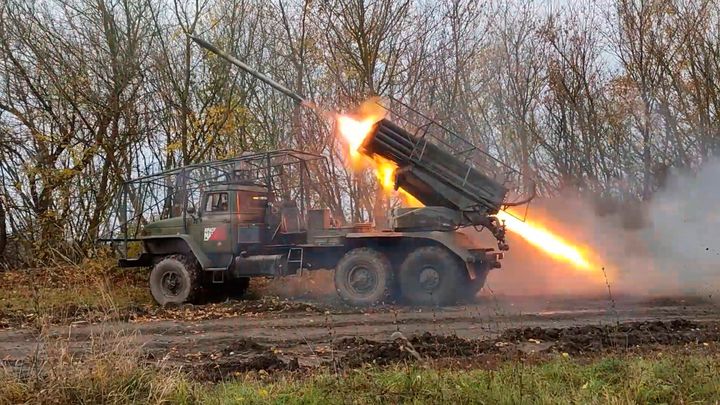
670 379
88 291
107 374
120 378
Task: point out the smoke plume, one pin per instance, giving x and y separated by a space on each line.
669 245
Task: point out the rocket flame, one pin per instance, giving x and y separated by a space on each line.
546 241
356 127
354 132
385 172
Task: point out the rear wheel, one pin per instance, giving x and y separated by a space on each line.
175 280
432 275
363 277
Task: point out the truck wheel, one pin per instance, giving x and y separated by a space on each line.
363 277
175 280
432 275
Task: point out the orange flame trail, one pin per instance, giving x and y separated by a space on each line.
546 241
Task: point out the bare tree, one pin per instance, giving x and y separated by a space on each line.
638 38
518 68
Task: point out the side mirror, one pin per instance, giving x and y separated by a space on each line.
191 211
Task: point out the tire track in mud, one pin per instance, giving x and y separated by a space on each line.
304 334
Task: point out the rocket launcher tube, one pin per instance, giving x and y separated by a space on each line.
434 176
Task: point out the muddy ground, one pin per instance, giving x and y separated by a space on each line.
217 340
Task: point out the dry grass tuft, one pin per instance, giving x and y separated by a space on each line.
112 373
94 290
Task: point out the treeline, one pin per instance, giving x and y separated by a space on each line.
603 97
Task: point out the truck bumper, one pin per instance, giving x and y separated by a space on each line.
481 261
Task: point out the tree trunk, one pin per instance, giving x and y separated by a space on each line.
3 233
646 154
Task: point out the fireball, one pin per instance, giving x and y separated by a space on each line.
354 128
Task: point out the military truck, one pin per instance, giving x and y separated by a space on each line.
220 223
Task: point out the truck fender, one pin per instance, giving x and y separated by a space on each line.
168 244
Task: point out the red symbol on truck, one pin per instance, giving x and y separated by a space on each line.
214 234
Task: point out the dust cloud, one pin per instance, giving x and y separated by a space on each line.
664 247
316 285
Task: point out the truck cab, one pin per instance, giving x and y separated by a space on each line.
231 219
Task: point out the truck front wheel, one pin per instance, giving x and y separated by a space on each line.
432 275
175 280
363 277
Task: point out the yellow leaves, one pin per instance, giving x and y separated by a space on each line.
226 121
65 174
41 138
173 146
177 33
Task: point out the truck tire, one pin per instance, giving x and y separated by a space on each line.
432 275
175 280
363 277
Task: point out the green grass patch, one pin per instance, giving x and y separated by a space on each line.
120 377
656 379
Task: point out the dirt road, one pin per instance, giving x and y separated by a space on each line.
307 332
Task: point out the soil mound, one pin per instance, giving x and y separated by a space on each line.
572 340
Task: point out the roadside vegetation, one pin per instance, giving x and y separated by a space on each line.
652 379
94 290
116 377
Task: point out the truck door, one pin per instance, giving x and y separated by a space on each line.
217 225
251 218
